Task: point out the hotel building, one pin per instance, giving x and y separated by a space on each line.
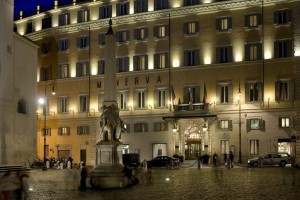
194 77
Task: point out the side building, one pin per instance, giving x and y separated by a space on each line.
193 77
18 89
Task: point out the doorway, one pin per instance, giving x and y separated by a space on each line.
193 150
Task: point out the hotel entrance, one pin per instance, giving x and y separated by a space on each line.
192 143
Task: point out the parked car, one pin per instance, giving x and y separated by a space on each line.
281 159
164 161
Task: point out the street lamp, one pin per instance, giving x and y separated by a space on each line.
240 124
43 101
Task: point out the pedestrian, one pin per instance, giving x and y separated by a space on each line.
83 177
225 160
71 161
231 157
215 159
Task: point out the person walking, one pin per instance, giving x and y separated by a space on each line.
225 160
231 157
83 177
215 159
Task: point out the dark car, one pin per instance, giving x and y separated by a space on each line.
164 161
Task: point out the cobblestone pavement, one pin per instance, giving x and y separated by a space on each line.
178 184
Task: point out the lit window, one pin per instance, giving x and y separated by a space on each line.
140 33
254 146
64 19
63 130
83 103
83 16
122 64
83 42
224 23
122 100
160 126
48 131
253 92
82 69
161 60
63 71
140 99
224 146
140 62
160 31
63 105
83 130
123 36
141 127
224 93
284 90
45 73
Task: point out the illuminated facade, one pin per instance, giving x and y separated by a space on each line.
193 77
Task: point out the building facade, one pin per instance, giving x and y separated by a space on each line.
194 77
18 89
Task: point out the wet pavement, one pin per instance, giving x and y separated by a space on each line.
178 184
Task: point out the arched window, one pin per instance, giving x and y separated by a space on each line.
22 106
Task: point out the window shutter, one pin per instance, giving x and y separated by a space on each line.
276 52
259 51
279 122
289 48
155 30
146 127
135 34
101 67
102 39
277 91
146 98
291 90
109 11
261 124
291 121
186 97
118 64
167 30
197 59
60 20
218 93
78 42
135 7
247 88
87 41
247 21
230 124
289 15
118 9
197 94
88 68
276 17
119 99
248 125
146 32
185 28
79 16
135 99
218 59
127 7
186 58
78 69
135 63
197 27
229 22
230 57
167 60
59 131
218 124
127 64
230 93
247 52
259 85
155 92
127 35
146 62
156 61
218 24
259 19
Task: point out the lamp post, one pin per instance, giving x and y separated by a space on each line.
240 124
43 101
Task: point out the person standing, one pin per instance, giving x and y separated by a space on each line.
83 177
231 157
225 160
215 158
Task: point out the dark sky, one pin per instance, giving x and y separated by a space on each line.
29 6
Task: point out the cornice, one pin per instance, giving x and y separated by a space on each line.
148 16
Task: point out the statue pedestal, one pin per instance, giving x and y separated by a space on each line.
109 172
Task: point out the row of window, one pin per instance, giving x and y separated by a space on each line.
254 123
191 94
85 130
253 52
253 145
281 16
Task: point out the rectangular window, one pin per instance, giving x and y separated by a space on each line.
224 23
191 58
224 54
45 48
101 39
191 2
64 19
140 127
105 12
100 101
82 69
123 8
284 90
122 36
253 52
122 99
63 130
225 124
63 105
84 103
122 64
140 33
63 45
224 146
253 91
47 22
160 31
45 73
191 94
283 48
254 147
140 6
282 16
161 4
101 67
140 62
48 131
29 27
285 122
224 93
191 28
140 99
252 20
83 16
160 126
83 130
254 123
63 71
83 42
161 60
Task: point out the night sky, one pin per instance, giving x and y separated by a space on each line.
29 6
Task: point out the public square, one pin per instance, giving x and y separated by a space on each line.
178 184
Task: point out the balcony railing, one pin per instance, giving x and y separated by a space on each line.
192 107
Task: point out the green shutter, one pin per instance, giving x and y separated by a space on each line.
291 90
230 93
277 91
247 95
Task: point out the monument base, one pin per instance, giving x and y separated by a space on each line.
109 172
